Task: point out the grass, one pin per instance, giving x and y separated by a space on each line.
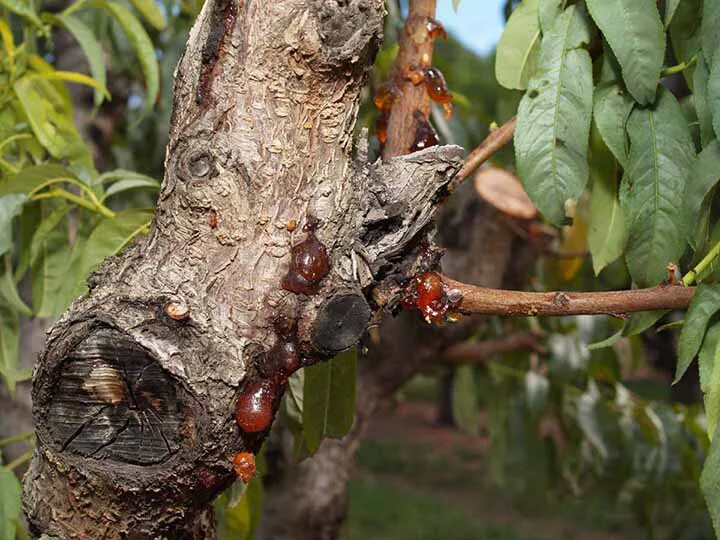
384 512
413 491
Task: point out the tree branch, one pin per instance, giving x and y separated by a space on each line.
478 352
415 49
484 301
496 140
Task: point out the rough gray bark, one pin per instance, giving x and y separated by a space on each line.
135 391
308 500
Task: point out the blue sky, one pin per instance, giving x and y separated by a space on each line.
477 23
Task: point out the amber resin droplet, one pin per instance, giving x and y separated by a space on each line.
435 29
381 125
244 465
254 407
283 359
428 294
425 135
309 263
436 86
385 96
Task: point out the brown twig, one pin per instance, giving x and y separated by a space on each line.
495 141
415 50
483 301
478 352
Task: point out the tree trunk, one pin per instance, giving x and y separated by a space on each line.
136 390
309 500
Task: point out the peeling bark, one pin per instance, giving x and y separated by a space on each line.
135 391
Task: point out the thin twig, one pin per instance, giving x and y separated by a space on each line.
492 144
17 438
19 461
478 352
484 301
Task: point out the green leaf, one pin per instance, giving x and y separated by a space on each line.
9 292
710 483
151 13
518 47
46 226
79 78
607 233
635 33
49 272
639 322
110 236
10 493
127 180
685 33
700 99
712 386
11 206
32 178
465 399
24 8
703 306
704 177
9 342
456 4
611 109
710 29
707 355
329 399
670 9
143 49
548 12
713 93
50 117
553 125
294 396
607 342
661 157
90 46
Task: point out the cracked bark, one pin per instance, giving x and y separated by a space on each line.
308 500
133 404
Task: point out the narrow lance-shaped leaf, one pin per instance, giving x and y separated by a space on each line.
710 483
712 393
607 233
713 93
10 492
661 157
705 175
90 46
329 399
50 117
703 306
464 399
710 29
700 99
670 9
518 47
548 12
612 106
24 8
143 49
151 13
551 137
635 33
685 33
